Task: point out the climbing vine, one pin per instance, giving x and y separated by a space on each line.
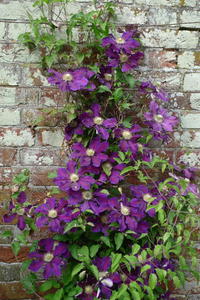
123 228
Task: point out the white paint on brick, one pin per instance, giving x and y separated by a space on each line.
190 120
15 29
162 16
53 138
33 77
17 10
195 101
2 30
16 53
190 159
11 138
166 2
33 159
9 116
7 96
126 15
192 82
169 38
188 139
186 60
190 16
10 74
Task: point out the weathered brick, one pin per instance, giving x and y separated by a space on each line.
162 16
130 15
9 272
191 159
33 77
7 96
13 290
7 174
190 120
54 137
168 2
10 74
8 157
40 157
16 10
30 116
169 38
28 96
186 60
39 176
192 17
6 240
16 53
52 97
16 137
15 29
9 116
195 101
161 59
192 82
2 30
7 256
190 139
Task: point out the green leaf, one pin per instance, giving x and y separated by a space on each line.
52 175
135 249
126 170
119 237
176 281
107 168
131 81
103 89
152 281
145 268
161 274
157 250
6 234
94 270
116 258
16 247
135 294
106 240
58 295
46 286
93 250
77 269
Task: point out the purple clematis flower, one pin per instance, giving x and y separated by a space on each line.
105 76
55 214
148 88
111 171
99 223
51 257
75 127
93 155
18 211
159 120
125 60
128 138
126 213
124 43
96 201
72 80
73 178
95 120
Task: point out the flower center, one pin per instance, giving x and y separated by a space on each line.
107 282
74 177
88 289
52 213
104 219
158 118
140 147
67 77
90 152
108 76
102 274
123 58
21 211
125 210
107 166
98 120
48 257
127 135
120 41
147 197
87 195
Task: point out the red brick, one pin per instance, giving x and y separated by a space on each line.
7 256
13 290
161 59
52 96
39 176
7 157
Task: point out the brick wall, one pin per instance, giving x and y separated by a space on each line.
172 59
